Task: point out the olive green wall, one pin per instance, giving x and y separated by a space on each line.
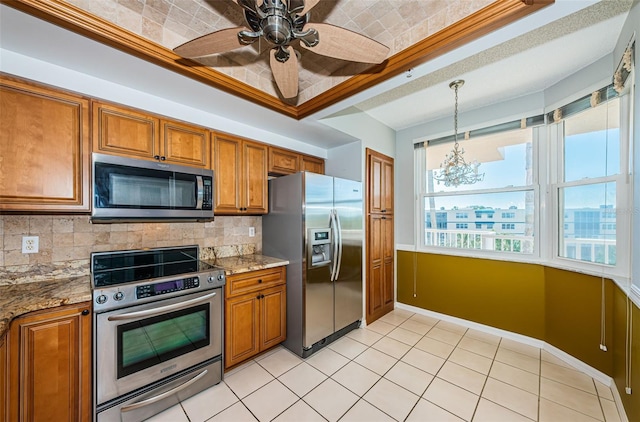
505 295
562 308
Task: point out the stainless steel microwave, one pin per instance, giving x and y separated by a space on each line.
128 189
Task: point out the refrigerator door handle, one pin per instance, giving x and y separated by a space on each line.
339 243
334 246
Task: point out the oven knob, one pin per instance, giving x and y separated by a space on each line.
101 299
220 277
118 296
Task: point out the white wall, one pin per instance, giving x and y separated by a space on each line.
344 161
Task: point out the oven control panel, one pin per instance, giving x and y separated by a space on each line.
164 287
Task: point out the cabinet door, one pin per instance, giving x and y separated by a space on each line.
273 317
255 178
50 365
227 167
184 144
380 287
241 320
44 148
282 162
122 131
380 183
312 164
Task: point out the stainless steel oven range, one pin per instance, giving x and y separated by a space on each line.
158 330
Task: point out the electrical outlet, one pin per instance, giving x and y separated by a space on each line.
252 231
30 244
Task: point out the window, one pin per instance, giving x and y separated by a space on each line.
507 160
508 215
589 176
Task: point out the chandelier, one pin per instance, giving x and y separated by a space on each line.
455 171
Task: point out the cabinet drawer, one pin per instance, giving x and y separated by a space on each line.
254 281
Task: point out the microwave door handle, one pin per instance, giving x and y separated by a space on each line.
157 311
161 396
199 192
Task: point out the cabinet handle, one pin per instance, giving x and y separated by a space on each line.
383 218
85 312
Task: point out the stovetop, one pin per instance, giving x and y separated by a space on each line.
113 268
127 278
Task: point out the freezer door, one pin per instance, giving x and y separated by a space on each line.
318 288
348 284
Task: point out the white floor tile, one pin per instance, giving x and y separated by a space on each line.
488 411
416 326
471 360
302 379
409 377
423 360
451 326
425 320
427 411
348 347
511 397
477 346
514 376
554 412
363 411
327 361
300 412
568 376
405 336
331 400
522 348
279 362
482 336
391 347
572 398
364 336
376 361
452 398
462 377
269 401
236 413
209 402
248 380
444 336
392 399
435 347
381 327
356 378
519 360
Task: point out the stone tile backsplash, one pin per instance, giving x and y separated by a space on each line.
66 241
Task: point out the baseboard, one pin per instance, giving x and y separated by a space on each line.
565 357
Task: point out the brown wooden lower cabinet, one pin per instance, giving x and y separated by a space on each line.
255 313
49 365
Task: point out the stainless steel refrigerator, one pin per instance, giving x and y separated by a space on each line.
315 222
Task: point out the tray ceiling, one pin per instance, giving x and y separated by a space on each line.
414 30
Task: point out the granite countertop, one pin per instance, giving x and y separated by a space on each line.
19 299
244 263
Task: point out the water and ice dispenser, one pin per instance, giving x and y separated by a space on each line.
319 247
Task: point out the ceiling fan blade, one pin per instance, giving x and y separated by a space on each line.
308 5
285 74
215 42
341 43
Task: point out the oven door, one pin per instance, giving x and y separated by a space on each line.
139 345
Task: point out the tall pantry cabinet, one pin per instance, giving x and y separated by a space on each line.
380 237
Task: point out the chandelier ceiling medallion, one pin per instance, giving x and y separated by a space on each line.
454 170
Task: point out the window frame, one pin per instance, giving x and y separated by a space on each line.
537 138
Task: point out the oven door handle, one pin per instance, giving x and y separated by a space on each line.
157 311
161 396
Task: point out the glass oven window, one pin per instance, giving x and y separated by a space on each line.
148 342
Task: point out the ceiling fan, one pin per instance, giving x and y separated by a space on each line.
280 23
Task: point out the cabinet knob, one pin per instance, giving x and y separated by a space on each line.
157 157
85 312
258 297
259 280
163 158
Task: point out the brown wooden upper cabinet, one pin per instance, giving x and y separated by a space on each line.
137 134
381 183
284 161
240 176
312 164
44 148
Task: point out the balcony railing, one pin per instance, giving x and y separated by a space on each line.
479 240
601 251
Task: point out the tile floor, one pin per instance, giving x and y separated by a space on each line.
404 367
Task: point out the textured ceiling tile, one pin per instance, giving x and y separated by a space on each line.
135 5
152 30
154 14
